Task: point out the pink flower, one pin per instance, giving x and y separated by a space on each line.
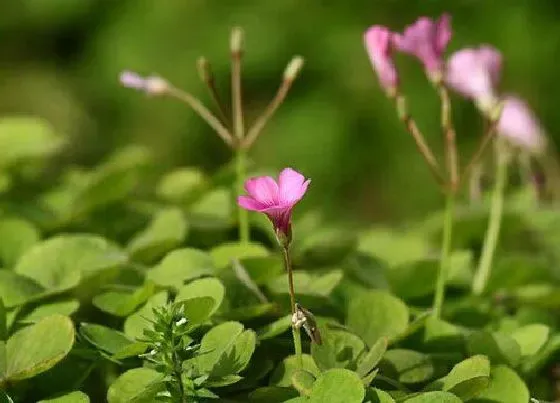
426 39
520 126
378 45
276 200
475 73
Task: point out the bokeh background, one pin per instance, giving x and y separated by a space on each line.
60 59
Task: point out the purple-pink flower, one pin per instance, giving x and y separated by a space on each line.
275 199
475 73
377 40
519 125
426 39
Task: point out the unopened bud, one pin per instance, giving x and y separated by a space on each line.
204 70
236 41
153 85
156 85
293 68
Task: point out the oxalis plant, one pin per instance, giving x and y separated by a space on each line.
117 289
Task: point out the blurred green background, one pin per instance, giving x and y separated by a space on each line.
60 59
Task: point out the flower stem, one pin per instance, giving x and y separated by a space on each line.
241 173
295 330
203 112
493 231
236 47
289 76
412 128
486 140
449 133
445 254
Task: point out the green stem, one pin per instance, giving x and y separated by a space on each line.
241 173
493 231
445 254
177 368
297 346
295 330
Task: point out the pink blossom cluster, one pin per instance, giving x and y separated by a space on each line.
472 72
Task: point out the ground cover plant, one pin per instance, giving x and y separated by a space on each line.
213 287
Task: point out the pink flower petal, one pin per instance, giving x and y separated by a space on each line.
292 186
377 40
475 73
263 189
426 39
444 33
492 59
520 126
249 203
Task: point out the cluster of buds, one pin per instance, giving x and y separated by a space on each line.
231 131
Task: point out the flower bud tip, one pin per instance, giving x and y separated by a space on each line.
293 68
204 71
236 40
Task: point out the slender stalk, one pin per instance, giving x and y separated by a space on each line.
241 173
421 144
486 140
290 73
475 183
236 97
493 231
177 368
445 254
203 112
449 133
295 330
263 119
207 77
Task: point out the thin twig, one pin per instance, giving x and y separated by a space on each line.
263 119
450 137
207 77
421 144
203 112
490 133
236 96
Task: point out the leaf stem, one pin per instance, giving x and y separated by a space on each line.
295 331
493 231
445 254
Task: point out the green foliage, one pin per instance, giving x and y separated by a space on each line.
61 263
72 397
26 138
139 251
37 348
377 314
468 378
139 385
